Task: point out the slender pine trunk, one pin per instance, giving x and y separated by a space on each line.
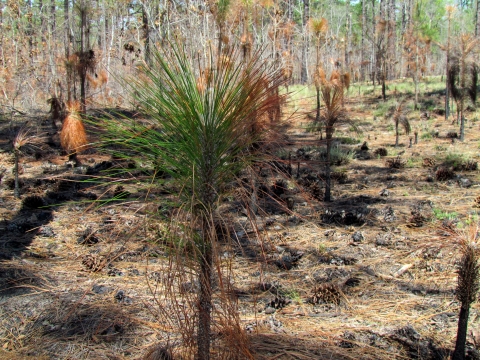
328 195
205 296
462 124
459 352
396 134
17 186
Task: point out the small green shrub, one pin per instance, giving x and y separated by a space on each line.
313 127
411 163
382 109
455 160
459 162
348 140
339 156
444 215
426 136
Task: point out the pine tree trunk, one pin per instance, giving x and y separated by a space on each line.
362 49
84 46
392 38
459 352
396 134
16 192
328 180
205 296
477 18
306 17
53 23
384 85
447 90
374 56
67 48
462 125
348 29
146 33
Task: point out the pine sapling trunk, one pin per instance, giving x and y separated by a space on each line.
396 135
416 94
205 297
328 196
462 125
459 353
83 94
466 292
384 88
447 103
16 192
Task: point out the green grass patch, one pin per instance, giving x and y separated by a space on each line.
444 215
345 140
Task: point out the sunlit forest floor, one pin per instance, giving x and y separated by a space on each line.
370 275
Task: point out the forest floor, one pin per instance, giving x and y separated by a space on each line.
370 275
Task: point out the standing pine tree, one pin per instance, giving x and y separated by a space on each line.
333 114
463 78
200 134
467 289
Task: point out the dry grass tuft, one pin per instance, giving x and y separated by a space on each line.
158 352
73 137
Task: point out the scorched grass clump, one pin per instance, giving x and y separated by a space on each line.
73 137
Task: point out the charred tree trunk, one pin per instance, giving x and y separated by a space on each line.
306 17
328 180
146 33
16 192
362 49
67 49
84 55
477 18
459 352
373 55
392 38
53 23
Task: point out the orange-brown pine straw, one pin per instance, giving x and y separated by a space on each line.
73 137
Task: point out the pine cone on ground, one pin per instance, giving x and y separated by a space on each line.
476 202
380 152
444 174
396 163
470 165
93 262
429 162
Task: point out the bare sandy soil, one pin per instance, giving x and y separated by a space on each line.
370 275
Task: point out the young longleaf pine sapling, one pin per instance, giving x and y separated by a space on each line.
400 120
202 136
467 289
23 139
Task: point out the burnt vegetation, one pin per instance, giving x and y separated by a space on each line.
226 180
